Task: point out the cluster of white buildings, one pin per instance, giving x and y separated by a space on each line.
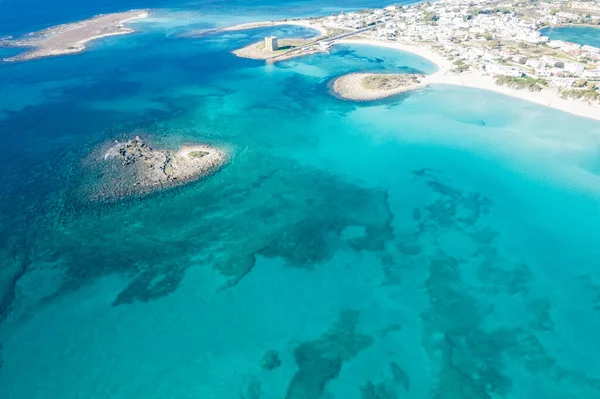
466 29
585 6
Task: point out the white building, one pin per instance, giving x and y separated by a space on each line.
271 43
591 49
574 68
543 73
535 63
592 75
496 69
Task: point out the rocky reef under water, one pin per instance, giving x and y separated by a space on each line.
135 167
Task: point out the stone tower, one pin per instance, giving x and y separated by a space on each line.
271 43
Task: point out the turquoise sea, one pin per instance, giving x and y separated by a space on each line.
439 244
576 34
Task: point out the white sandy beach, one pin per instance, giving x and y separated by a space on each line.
421 50
547 97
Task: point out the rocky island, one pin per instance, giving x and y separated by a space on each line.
71 38
369 86
134 167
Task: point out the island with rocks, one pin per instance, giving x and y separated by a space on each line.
134 167
375 86
72 38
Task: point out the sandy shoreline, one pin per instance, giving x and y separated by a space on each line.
442 63
477 80
72 38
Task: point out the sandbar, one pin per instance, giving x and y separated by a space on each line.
72 37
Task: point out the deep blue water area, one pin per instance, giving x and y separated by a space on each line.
440 243
576 34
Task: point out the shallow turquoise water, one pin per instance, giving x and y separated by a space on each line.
576 34
438 244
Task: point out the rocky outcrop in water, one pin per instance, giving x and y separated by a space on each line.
135 167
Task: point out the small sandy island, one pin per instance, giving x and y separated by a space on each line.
71 38
134 167
373 86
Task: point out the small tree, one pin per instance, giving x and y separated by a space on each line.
559 64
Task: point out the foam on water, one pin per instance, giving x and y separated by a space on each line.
441 243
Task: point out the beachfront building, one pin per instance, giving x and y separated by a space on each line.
271 43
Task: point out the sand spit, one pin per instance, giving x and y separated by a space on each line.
369 86
71 38
134 167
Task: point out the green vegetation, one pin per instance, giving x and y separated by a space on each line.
588 94
430 16
503 10
525 83
198 154
460 66
388 81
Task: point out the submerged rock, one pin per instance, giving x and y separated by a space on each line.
270 360
319 361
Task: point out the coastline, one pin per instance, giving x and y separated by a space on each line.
124 31
442 63
570 26
72 38
547 97
478 80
